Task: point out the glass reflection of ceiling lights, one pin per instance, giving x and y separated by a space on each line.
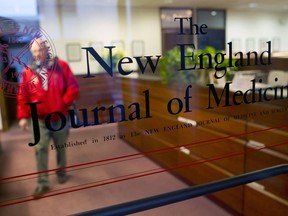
253 5
213 13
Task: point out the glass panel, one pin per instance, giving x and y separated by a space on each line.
163 104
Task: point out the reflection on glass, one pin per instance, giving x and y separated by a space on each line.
152 103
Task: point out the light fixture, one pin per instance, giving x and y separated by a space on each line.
213 13
253 5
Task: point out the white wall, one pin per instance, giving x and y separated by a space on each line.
242 26
86 24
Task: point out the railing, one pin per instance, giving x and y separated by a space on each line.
187 193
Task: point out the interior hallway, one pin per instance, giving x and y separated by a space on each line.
18 158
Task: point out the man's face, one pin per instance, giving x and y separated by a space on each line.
38 51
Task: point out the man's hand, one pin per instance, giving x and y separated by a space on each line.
23 124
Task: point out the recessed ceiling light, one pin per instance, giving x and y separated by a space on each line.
253 5
213 13
168 1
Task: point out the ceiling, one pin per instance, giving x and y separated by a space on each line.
258 5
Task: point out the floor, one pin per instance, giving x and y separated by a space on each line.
92 183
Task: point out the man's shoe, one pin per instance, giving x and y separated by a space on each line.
62 178
40 191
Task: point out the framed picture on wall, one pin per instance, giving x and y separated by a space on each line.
137 48
263 44
276 44
236 45
250 44
98 47
73 51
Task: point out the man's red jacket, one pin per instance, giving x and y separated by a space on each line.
62 91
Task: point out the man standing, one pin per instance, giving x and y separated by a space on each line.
54 90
